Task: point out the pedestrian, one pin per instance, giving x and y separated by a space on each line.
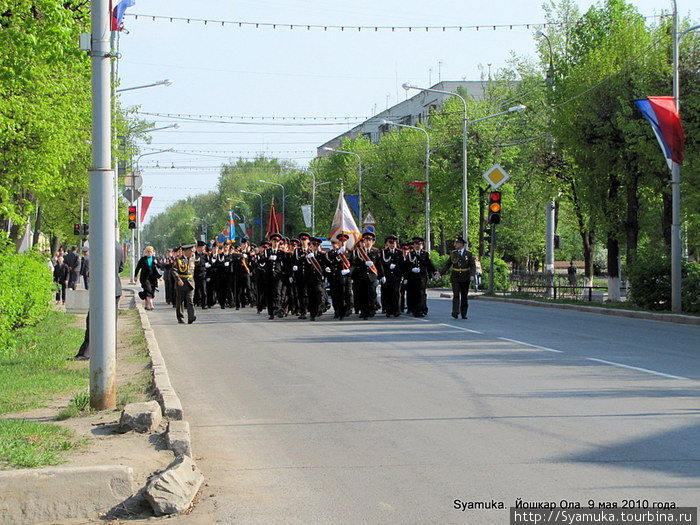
183 275
148 274
60 276
85 267
461 262
571 272
72 260
479 274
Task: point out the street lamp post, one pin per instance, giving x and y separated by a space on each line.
284 217
427 178
166 82
359 179
261 210
465 194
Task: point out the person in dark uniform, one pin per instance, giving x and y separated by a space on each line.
274 260
366 275
392 268
300 273
315 278
222 266
417 268
183 274
242 274
463 266
211 276
200 278
60 276
259 277
72 260
340 280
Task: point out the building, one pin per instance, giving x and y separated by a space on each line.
412 112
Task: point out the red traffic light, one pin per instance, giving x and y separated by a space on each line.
494 207
132 217
495 196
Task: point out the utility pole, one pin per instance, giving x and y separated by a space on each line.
549 257
103 308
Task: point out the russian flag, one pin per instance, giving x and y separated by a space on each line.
663 116
118 14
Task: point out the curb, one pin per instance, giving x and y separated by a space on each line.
178 434
650 316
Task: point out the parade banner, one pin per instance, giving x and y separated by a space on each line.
343 222
145 203
666 122
273 225
306 213
231 226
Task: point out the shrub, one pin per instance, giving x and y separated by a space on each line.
26 285
439 262
500 275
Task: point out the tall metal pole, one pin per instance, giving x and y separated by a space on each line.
313 203
549 255
82 221
465 193
103 314
676 245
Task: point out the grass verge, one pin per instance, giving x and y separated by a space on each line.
26 444
35 368
140 385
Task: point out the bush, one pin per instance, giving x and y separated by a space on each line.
650 282
500 275
439 262
26 285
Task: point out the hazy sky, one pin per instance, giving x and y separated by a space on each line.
265 72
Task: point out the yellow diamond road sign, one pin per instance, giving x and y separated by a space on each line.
496 176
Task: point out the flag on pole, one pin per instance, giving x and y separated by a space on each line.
118 14
420 185
343 222
273 225
663 116
145 203
231 226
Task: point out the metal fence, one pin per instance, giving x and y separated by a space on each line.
554 286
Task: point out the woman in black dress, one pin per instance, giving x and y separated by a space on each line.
149 275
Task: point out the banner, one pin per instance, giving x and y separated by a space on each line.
666 122
145 203
273 225
306 213
344 222
354 203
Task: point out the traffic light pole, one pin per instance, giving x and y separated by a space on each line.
103 308
492 256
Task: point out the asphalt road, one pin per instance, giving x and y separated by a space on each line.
392 420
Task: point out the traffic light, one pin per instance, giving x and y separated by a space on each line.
132 217
494 207
76 228
86 229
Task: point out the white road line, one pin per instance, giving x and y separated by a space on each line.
463 329
636 368
533 346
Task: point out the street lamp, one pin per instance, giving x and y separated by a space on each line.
359 178
465 195
427 178
261 209
166 82
283 200
550 71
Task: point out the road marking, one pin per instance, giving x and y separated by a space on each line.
463 329
636 368
533 346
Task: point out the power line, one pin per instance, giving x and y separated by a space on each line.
349 28
256 117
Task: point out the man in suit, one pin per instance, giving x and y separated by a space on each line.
183 275
463 271
72 260
85 267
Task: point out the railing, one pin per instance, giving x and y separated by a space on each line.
581 293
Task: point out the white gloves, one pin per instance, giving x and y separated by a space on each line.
295 268
415 270
405 281
245 255
382 280
226 263
273 257
392 266
369 263
291 279
208 279
328 270
310 255
207 265
342 250
345 271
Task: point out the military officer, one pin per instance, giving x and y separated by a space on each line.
200 260
183 275
463 266
392 266
340 266
417 269
273 259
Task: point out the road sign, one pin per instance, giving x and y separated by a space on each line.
369 219
496 176
133 181
130 195
369 229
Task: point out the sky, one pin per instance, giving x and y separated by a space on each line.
259 73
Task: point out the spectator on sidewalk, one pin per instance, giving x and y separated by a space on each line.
60 276
85 267
571 271
72 260
148 274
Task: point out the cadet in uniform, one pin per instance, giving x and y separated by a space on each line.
315 276
273 260
463 267
200 289
183 274
339 277
417 268
366 275
299 273
392 267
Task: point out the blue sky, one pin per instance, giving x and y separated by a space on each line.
266 72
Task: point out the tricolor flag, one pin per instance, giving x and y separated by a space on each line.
118 14
663 116
343 222
231 226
